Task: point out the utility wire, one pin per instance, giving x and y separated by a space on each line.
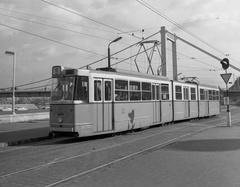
178 25
181 27
76 13
222 9
37 87
120 51
33 82
54 27
56 20
22 85
55 41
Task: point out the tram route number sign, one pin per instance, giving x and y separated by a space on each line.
57 70
225 63
226 77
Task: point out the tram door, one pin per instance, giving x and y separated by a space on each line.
186 107
156 103
103 108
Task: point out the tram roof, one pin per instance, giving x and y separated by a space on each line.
129 73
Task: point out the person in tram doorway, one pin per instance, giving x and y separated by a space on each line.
69 92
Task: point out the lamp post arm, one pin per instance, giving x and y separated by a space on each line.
109 56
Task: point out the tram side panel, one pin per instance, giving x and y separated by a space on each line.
193 109
185 110
214 107
208 101
180 100
185 99
83 119
132 115
203 108
166 108
214 104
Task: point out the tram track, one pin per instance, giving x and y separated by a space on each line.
186 125
168 141
160 145
61 139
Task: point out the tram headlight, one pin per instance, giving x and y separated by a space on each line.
60 119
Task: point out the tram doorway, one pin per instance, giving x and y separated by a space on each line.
103 109
156 103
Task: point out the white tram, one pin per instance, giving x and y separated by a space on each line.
94 102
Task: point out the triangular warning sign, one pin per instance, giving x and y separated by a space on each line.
226 77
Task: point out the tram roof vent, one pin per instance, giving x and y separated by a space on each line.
70 71
107 69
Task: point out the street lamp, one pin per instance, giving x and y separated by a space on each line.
13 86
109 63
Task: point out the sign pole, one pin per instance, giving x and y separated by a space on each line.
229 124
225 65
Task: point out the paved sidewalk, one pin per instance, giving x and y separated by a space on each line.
17 133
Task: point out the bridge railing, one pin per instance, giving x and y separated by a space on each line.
19 93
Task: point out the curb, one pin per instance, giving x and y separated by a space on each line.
23 117
19 142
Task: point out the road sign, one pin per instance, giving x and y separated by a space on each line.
225 63
226 77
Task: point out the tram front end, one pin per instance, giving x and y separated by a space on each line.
69 107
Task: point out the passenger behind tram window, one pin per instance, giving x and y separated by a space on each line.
69 92
84 95
121 95
97 90
82 89
57 94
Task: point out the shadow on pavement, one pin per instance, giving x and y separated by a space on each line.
207 145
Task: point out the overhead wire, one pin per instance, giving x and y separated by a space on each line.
64 29
120 51
57 20
93 20
183 28
52 40
70 45
27 84
178 25
223 9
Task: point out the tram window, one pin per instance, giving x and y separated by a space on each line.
210 94
213 95
157 92
146 91
193 94
217 95
63 88
206 95
135 93
97 90
153 92
165 91
178 92
121 90
186 93
121 85
108 90
202 95
81 89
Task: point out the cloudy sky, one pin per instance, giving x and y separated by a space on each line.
75 33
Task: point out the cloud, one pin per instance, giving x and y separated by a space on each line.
55 12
